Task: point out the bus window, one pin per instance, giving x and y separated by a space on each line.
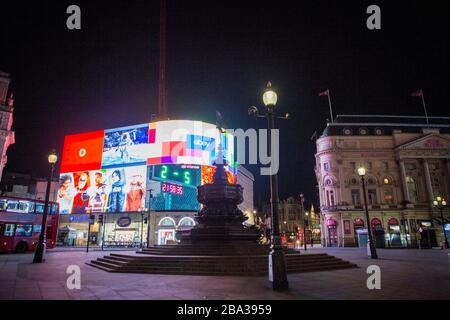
9 229
39 208
37 228
12 205
24 206
3 204
24 230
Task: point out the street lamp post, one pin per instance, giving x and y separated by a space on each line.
373 252
40 248
277 261
148 218
142 229
440 203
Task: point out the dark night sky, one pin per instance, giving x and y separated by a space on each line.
220 54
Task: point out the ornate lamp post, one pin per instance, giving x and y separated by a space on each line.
277 261
40 248
371 245
440 203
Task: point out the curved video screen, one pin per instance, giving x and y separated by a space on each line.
116 170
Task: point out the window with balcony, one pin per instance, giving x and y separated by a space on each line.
388 196
355 197
372 196
330 198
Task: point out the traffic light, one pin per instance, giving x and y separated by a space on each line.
92 219
100 218
145 220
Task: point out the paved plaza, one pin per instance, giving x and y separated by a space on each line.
405 274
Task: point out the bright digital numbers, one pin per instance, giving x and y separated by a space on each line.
187 177
164 170
178 174
172 188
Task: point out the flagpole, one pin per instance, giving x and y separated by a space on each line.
424 106
329 103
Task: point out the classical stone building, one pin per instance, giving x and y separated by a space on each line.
291 218
6 119
408 165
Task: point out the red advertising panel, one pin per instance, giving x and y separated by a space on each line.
82 152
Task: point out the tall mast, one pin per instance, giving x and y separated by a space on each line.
162 97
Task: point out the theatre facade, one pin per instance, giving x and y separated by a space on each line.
127 186
408 166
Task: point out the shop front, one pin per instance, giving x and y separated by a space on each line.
395 239
123 230
378 233
427 234
332 233
168 225
447 233
73 230
358 224
116 230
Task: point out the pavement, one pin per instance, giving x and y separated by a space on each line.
405 274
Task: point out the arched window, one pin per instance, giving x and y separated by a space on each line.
186 223
167 222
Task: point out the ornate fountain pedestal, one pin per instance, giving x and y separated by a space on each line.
218 245
219 220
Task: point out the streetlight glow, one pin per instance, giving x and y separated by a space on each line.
439 203
52 158
361 171
270 97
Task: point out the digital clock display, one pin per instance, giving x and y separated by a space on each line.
188 175
175 186
172 188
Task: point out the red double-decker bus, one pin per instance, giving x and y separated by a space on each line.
20 224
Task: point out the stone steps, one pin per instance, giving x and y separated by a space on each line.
254 265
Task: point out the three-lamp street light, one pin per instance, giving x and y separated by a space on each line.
440 203
40 248
370 243
277 261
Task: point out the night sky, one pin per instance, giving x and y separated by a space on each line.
220 55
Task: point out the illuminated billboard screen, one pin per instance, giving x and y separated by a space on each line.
104 190
125 146
101 170
174 186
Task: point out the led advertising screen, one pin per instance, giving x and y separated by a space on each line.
125 146
174 186
104 190
98 167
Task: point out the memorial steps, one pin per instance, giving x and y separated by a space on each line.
164 260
